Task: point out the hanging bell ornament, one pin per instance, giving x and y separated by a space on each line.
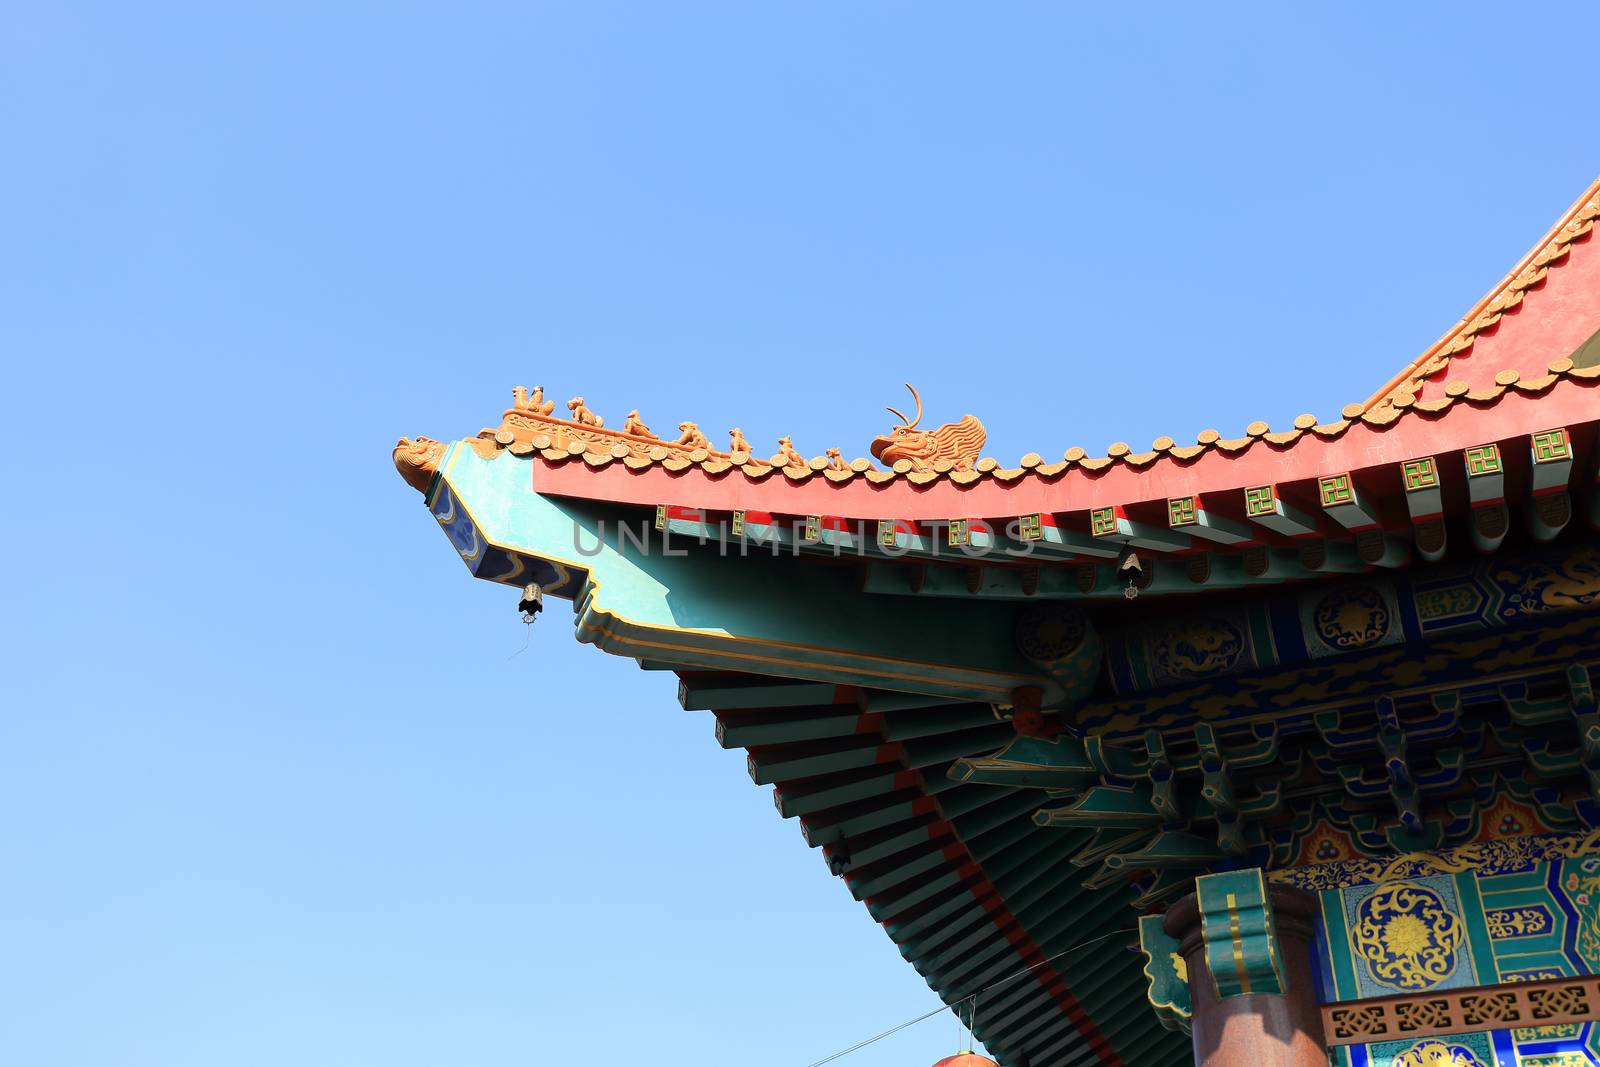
1131 568
532 602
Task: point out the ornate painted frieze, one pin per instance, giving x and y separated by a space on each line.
1361 616
1484 858
1493 948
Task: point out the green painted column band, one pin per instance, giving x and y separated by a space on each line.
1236 925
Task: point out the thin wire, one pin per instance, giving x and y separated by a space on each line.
525 641
974 998
878 1037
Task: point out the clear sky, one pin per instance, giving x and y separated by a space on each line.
278 782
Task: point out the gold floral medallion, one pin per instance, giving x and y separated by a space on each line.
1407 936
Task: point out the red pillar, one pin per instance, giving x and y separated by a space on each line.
1255 1029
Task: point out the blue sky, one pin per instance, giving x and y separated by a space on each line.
276 784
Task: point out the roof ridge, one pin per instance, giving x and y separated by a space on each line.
1506 294
952 452
523 432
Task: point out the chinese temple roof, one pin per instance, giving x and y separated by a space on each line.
992 769
1530 337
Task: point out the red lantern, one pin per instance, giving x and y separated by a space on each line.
966 1059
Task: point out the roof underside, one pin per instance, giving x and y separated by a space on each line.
974 894
984 897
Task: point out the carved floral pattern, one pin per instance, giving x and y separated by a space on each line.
1407 936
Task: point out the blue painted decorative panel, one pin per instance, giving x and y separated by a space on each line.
1516 910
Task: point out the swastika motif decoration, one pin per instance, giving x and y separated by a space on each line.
1260 500
1482 460
1420 474
1335 490
1551 446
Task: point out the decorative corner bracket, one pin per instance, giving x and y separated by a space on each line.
1167 974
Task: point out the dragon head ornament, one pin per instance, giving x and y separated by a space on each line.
958 442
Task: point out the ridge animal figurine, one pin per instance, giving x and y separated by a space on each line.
634 425
535 403
582 415
417 460
836 460
787 456
692 437
736 441
960 443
